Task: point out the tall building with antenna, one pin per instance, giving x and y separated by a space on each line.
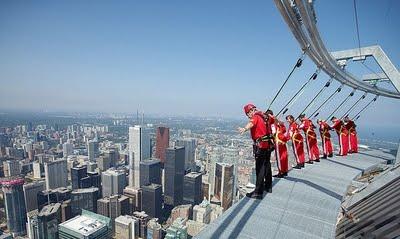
139 149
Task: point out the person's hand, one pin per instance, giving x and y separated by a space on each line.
241 130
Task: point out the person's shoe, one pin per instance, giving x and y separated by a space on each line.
317 160
302 165
249 194
325 156
278 175
309 162
256 196
298 166
330 155
284 174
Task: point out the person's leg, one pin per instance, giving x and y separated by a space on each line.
268 171
285 160
278 158
341 145
309 152
329 147
324 147
260 173
315 150
300 151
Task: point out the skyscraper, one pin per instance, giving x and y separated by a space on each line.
15 206
139 149
150 172
113 206
113 182
152 200
68 149
103 163
113 156
93 150
174 172
190 151
31 191
11 168
92 179
77 173
162 142
224 182
177 229
84 199
192 188
143 219
56 174
126 227
154 229
202 212
44 225
135 198
88 225
53 196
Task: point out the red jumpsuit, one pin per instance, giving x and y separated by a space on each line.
311 139
281 152
297 142
326 139
353 141
343 136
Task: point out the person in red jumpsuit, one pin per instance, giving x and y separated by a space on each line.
278 129
326 138
261 149
281 152
353 139
311 138
343 136
294 134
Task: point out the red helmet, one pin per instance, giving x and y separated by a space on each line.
248 107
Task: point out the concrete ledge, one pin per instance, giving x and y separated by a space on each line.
303 205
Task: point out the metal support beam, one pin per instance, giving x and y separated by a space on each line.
389 70
310 41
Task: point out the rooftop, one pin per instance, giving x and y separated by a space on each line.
49 209
84 224
193 174
150 161
306 204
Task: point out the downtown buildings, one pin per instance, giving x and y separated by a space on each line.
15 206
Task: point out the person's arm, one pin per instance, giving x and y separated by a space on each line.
247 127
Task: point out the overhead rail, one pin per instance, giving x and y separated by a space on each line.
299 13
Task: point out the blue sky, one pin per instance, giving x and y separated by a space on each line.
176 57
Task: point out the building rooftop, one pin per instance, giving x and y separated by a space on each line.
125 219
85 190
193 174
306 204
86 224
152 186
150 161
49 209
